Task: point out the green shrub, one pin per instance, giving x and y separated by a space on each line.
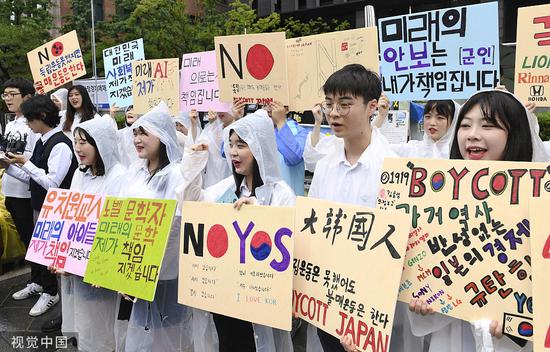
544 123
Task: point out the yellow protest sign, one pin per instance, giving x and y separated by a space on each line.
252 67
238 263
154 81
339 283
540 254
532 75
57 62
469 247
312 59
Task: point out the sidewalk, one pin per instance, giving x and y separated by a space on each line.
17 328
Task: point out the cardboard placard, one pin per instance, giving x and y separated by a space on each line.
238 263
440 54
57 62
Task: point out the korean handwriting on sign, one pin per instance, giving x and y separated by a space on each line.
71 205
429 26
61 70
359 227
133 227
421 53
543 36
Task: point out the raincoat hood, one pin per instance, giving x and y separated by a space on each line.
258 132
539 151
101 130
159 123
61 95
442 146
184 119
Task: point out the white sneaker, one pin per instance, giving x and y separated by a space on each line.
44 303
29 291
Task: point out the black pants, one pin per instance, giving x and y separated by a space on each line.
40 273
234 335
21 213
329 342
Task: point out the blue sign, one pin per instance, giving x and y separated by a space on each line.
117 61
441 54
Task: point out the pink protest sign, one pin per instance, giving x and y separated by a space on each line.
199 83
65 230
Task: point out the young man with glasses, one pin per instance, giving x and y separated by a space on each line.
18 197
351 172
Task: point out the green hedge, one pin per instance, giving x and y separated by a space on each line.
544 123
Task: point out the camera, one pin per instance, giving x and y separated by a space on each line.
14 143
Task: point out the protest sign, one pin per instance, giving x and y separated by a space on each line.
97 89
57 62
252 67
440 54
199 83
154 81
540 256
468 253
117 61
65 230
238 263
129 246
338 282
532 75
396 127
312 59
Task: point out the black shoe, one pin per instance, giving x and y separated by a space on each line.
52 325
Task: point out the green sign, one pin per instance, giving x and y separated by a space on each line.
129 245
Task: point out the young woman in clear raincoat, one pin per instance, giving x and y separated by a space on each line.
87 310
161 325
516 140
125 138
59 97
217 167
439 121
251 152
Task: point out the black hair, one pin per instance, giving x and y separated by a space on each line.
354 79
506 112
99 165
130 107
442 107
88 108
163 155
41 107
24 85
256 177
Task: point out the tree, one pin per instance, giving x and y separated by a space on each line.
24 26
168 31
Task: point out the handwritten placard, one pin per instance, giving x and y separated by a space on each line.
199 83
238 263
65 230
338 282
129 245
154 81
312 59
252 67
441 54
57 62
468 253
532 75
117 61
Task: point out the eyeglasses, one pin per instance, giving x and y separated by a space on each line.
341 109
9 95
